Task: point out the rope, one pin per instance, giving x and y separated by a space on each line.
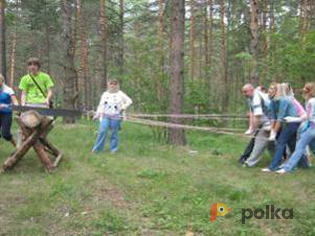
190 127
191 116
134 119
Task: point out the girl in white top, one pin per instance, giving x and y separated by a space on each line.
110 109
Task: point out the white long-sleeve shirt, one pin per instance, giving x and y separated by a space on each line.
111 104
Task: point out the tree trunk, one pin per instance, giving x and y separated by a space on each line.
192 40
70 97
206 39
47 38
210 32
177 136
3 62
312 13
121 38
14 45
12 57
224 75
306 16
303 18
254 41
209 69
83 69
265 44
103 29
75 28
160 75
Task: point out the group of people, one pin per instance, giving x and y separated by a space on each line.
36 87
279 123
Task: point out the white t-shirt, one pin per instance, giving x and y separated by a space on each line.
111 104
310 109
256 105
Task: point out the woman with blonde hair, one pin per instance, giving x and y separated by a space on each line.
7 97
288 91
281 107
307 134
112 104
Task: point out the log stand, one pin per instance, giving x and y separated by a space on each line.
35 129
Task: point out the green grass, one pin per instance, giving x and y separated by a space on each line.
148 188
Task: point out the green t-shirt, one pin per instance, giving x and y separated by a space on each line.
34 95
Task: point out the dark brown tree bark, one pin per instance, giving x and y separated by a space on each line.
70 96
73 51
83 68
177 136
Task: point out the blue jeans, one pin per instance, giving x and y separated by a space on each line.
113 124
287 136
307 138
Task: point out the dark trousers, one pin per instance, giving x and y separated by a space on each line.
287 136
5 125
248 149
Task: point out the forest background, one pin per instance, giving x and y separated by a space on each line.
170 56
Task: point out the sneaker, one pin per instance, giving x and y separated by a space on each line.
265 170
244 165
113 152
281 171
282 165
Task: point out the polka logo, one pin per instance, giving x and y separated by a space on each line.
219 209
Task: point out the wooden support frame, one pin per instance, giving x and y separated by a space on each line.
35 137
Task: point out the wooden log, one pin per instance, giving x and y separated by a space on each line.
25 131
32 138
21 151
48 129
51 148
58 159
31 118
45 127
39 149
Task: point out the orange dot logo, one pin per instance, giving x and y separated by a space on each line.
218 209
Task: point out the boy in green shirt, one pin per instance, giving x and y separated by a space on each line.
31 94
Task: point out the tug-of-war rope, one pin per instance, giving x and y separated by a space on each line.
139 119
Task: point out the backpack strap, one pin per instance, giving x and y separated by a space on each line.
37 85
